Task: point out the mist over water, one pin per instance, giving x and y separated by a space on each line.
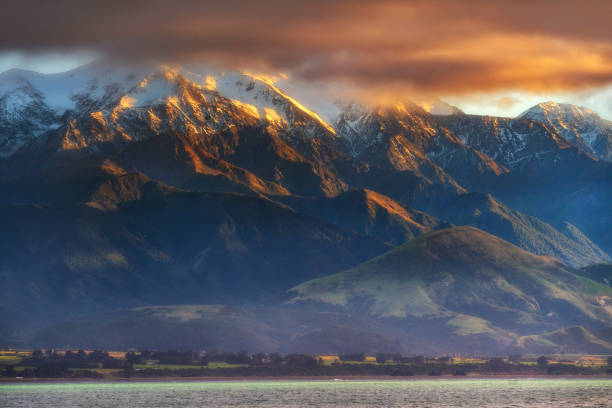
290 394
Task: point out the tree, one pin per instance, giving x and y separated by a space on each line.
515 358
243 357
275 358
542 361
418 360
300 360
352 357
497 363
133 358
381 358
9 371
258 359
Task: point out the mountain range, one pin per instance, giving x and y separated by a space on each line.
200 200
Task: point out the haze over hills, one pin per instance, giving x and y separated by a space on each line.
445 291
146 186
136 241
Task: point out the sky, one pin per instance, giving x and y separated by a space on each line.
485 56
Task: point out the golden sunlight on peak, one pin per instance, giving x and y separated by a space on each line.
247 107
265 78
169 73
273 117
210 83
271 80
126 102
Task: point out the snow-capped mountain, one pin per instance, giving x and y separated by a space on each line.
32 104
101 106
405 136
210 129
579 125
104 106
93 104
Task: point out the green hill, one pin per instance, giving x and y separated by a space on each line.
475 282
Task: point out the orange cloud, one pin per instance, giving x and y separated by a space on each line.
441 47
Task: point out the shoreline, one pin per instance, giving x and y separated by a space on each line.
303 378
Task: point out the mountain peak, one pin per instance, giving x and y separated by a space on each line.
579 125
439 107
554 108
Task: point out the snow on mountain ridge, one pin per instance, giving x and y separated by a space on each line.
257 91
439 107
579 125
32 104
103 87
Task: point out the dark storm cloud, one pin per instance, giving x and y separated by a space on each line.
427 46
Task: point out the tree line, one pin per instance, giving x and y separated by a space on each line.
71 364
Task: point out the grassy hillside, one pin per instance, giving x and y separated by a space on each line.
475 281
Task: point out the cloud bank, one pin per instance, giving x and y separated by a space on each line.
383 47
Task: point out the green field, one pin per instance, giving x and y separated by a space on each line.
212 365
98 370
9 360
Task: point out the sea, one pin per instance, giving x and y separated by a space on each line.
336 393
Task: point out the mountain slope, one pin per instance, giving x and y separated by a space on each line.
136 243
222 327
368 213
601 273
465 275
549 177
587 205
572 340
404 136
485 212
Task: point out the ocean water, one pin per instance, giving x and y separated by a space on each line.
288 394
